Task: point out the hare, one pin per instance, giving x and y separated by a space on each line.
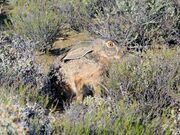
83 66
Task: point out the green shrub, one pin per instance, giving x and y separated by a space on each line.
77 13
132 23
151 80
106 116
19 115
39 20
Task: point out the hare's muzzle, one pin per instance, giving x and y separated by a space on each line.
117 55
120 52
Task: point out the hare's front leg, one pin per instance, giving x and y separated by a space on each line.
79 83
97 90
79 95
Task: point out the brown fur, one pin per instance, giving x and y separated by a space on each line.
87 72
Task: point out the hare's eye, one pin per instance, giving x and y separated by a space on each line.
110 44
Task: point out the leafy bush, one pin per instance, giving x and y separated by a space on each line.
107 116
152 81
29 118
18 66
134 22
131 23
22 108
39 20
76 13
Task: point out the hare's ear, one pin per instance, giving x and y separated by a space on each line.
77 53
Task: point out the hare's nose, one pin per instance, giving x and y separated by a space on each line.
119 53
117 50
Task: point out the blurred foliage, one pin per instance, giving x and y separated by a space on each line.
38 20
132 23
17 63
107 116
152 80
28 118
